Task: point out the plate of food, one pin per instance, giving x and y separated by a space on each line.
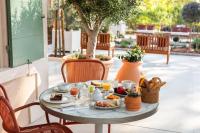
120 91
98 83
106 105
55 98
62 88
112 97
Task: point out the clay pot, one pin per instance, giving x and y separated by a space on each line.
130 71
133 103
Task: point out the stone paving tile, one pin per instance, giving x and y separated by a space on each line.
117 128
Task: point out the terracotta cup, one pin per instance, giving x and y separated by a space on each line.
133 103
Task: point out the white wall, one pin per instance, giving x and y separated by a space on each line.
22 84
121 28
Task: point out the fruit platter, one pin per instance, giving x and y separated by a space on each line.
121 91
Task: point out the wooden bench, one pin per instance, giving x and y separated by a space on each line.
103 42
155 43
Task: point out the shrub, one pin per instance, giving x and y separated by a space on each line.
124 43
176 39
120 36
196 44
133 55
191 12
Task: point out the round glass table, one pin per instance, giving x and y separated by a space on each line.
84 113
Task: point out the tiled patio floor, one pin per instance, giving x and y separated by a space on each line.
179 109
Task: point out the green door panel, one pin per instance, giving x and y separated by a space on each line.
25 31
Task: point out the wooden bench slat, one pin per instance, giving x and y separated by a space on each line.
154 43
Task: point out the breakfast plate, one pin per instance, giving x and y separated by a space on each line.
106 105
47 97
62 88
120 95
105 108
97 83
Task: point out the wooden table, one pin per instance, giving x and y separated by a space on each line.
86 114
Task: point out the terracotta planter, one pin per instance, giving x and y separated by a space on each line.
133 103
130 71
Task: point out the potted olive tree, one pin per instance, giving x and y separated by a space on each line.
93 13
131 68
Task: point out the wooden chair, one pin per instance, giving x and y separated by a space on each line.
10 124
103 42
155 43
82 70
3 92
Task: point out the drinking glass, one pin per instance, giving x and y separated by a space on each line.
115 84
106 88
74 93
91 89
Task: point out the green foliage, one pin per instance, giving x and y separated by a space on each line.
196 44
71 21
165 12
133 55
191 12
134 94
176 39
103 57
124 43
83 56
105 26
120 36
94 12
70 17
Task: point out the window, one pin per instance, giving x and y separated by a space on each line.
25 31
21 32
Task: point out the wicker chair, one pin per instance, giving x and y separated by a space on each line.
82 70
10 124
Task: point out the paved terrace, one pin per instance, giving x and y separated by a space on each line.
179 109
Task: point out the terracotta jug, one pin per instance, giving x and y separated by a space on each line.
130 71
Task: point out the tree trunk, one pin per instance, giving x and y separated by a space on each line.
91 46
